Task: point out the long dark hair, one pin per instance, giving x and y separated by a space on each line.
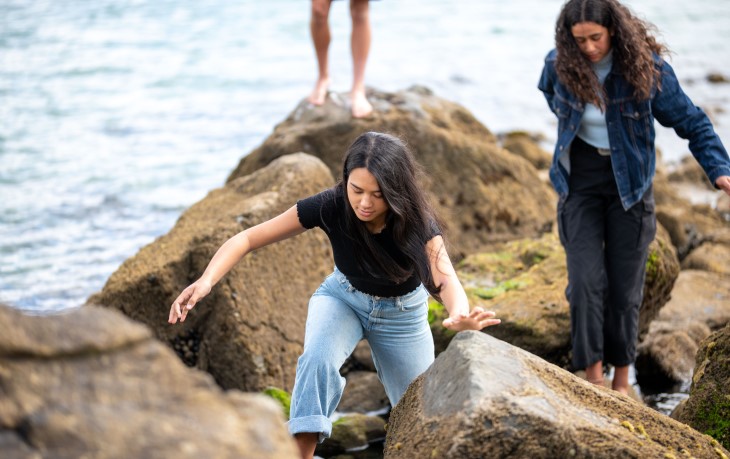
632 43
410 216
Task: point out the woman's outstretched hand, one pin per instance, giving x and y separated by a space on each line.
187 300
477 319
723 182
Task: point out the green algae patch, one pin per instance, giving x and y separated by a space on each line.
499 290
441 335
652 264
708 407
436 312
280 396
716 418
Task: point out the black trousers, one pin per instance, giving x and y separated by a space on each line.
606 250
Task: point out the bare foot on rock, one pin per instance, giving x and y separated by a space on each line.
319 93
360 105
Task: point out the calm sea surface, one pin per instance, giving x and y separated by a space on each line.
115 116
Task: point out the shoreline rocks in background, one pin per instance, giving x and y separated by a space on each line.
485 398
708 407
478 188
716 77
92 383
248 333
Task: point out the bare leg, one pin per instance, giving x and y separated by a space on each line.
594 373
319 26
621 379
360 44
306 442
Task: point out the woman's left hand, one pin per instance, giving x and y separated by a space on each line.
723 182
477 319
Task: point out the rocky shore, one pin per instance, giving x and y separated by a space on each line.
114 379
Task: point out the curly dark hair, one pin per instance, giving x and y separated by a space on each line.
633 44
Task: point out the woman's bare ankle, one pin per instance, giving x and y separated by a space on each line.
319 93
307 442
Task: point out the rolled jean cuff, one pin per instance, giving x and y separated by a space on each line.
317 423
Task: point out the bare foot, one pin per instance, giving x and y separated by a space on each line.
622 390
360 105
319 93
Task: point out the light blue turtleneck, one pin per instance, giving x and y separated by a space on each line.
593 128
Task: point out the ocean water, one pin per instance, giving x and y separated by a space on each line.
117 115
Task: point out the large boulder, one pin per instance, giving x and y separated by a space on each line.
249 332
485 193
700 304
92 383
485 398
708 407
524 283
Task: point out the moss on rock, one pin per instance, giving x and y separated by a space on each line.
281 396
708 407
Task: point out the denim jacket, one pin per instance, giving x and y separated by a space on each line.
631 132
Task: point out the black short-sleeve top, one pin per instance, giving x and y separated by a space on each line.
326 210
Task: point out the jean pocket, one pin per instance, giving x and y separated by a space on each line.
413 301
648 220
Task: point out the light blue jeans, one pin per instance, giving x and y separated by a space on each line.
338 318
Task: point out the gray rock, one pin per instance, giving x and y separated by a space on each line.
485 398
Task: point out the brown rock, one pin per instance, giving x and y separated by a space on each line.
522 144
717 78
352 432
248 332
363 356
689 170
479 189
364 393
700 303
689 226
91 383
485 398
524 283
710 256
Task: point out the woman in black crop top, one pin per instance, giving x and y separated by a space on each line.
389 255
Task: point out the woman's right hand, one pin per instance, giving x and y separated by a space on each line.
187 300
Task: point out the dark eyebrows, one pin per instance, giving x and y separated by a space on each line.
357 188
